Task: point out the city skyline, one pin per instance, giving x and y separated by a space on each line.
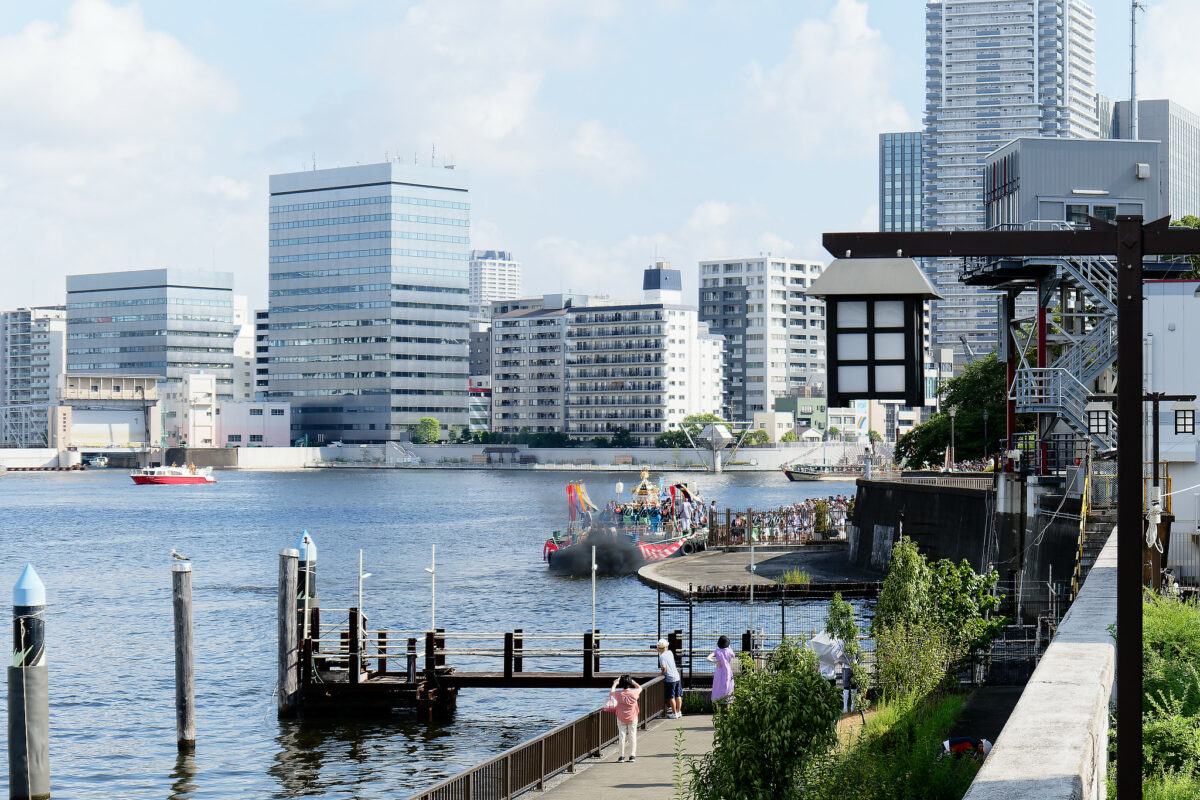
167 167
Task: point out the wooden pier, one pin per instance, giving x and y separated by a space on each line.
351 668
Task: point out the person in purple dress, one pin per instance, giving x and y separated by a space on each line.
723 674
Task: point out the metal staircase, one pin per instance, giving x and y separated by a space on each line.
1063 387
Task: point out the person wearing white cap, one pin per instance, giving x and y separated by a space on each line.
670 673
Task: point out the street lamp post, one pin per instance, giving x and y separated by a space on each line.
953 414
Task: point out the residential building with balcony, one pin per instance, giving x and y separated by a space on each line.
774 334
641 367
529 348
32 361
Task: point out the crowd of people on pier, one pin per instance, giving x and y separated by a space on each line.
822 517
679 510
976 465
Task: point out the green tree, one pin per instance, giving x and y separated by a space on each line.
904 596
426 431
834 432
981 386
1188 221
672 439
757 438
962 601
874 435
790 436
622 438
782 719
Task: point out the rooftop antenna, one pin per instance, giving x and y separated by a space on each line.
314 162
1133 109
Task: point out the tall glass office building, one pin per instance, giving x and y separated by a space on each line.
368 329
995 70
900 181
166 322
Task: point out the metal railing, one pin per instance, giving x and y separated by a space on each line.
529 764
778 527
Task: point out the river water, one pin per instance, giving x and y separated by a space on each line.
102 546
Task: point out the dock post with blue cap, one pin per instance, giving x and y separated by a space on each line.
28 693
185 676
308 605
289 653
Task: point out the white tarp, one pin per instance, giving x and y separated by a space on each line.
829 652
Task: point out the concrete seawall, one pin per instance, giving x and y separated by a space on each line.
1055 744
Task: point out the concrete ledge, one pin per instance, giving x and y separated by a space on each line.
1054 746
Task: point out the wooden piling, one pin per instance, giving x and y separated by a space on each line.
588 665
185 677
430 655
518 647
441 645
381 663
289 673
596 650
354 663
508 655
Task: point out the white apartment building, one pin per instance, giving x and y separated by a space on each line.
33 344
495 275
641 367
996 70
774 334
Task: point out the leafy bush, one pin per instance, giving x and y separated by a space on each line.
820 517
1171 653
1170 743
782 718
913 659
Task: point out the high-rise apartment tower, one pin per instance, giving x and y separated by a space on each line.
996 70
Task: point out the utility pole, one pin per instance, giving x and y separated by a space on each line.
1133 109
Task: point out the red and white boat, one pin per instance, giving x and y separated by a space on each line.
172 475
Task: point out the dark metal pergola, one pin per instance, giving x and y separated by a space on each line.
1130 239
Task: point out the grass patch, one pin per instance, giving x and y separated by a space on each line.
895 756
795 576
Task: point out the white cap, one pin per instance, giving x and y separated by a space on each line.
663 644
987 747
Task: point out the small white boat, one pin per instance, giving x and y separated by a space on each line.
172 475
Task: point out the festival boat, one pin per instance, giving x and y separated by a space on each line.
172 475
657 523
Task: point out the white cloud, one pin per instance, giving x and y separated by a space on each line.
607 155
713 229
105 151
469 77
830 94
1165 44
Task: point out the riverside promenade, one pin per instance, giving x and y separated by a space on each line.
827 563
651 776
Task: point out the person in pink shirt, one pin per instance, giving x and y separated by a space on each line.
626 691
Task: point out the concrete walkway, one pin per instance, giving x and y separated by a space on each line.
650 776
719 568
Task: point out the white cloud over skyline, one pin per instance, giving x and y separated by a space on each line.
596 135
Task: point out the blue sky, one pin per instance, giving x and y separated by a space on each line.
597 135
